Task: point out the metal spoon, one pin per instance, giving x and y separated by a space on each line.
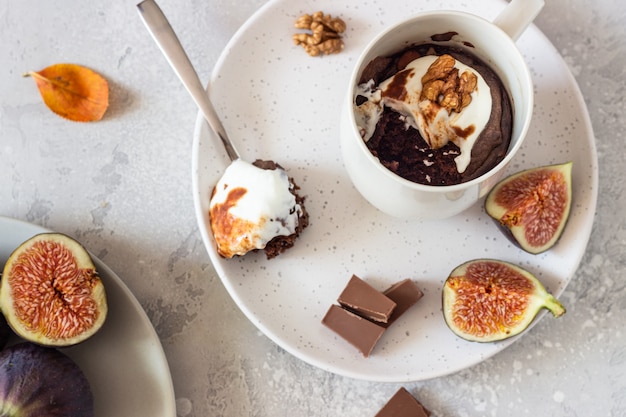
163 34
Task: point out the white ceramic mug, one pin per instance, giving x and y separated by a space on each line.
494 43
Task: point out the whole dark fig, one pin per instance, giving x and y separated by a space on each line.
37 381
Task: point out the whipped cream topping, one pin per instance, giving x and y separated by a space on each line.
437 126
250 206
368 113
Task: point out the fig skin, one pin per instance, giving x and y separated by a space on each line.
527 222
50 293
487 300
37 381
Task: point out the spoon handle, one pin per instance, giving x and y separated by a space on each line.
166 39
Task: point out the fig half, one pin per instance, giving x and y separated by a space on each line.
532 206
50 292
37 381
485 300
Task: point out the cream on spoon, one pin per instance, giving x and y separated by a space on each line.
250 205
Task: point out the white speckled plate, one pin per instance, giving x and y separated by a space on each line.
278 103
124 362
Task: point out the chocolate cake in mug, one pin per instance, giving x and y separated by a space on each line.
433 114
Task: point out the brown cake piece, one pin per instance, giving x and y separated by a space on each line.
252 209
280 244
403 151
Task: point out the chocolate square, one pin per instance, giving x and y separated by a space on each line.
403 404
364 300
404 293
359 332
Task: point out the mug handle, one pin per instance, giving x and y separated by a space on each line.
517 15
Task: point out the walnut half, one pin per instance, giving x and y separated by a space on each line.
324 36
442 84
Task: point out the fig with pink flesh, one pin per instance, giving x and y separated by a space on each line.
37 381
485 300
532 207
51 293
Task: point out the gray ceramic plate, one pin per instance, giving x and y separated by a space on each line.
124 362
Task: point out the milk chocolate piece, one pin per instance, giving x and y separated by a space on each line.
359 332
366 301
404 293
402 404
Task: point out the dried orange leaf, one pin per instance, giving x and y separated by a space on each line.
73 91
